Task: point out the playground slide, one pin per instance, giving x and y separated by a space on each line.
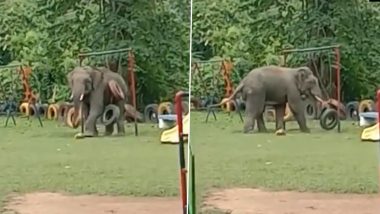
371 133
171 135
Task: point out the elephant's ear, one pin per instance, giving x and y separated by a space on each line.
302 74
96 77
69 77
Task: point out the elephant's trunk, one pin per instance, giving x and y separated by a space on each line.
77 99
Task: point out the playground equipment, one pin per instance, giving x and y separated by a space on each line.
372 133
171 135
370 120
129 77
330 80
30 102
209 86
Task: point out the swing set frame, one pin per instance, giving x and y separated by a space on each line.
225 67
336 65
11 103
129 78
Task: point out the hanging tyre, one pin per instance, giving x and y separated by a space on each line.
329 119
352 110
110 115
150 113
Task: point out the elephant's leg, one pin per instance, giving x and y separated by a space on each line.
298 111
280 113
261 123
254 107
120 121
280 124
249 122
96 110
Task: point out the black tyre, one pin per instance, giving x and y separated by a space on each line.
42 109
352 110
240 104
110 115
311 110
150 113
329 119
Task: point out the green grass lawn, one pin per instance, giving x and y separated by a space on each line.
50 159
322 161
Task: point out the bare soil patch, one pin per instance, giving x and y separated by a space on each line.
48 203
255 201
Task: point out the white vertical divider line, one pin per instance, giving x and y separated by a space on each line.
188 137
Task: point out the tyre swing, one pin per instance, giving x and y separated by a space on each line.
110 115
329 119
311 109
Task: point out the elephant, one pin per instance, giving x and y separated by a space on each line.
96 87
276 86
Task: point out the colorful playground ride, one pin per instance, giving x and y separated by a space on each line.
369 120
170 135
371 133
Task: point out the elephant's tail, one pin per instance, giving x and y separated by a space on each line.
236 91
233 95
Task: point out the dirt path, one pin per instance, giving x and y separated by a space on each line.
254 201
48 203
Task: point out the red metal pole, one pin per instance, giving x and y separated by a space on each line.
337 64
178 107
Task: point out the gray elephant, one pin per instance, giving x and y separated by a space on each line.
276 86
96 88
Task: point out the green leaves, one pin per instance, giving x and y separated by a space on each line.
48 34
253 33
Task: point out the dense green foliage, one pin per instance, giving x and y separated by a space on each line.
254 32
48 35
